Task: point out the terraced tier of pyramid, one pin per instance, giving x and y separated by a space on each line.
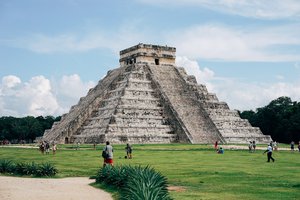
150 100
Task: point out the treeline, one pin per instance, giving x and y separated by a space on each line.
280 119
18 130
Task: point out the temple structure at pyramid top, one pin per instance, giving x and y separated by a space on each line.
148 99
147 53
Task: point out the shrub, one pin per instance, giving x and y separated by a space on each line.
33 169
135 182
145 183
20 169
7 166
46 169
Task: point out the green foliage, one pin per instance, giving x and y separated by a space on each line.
7 166
47 169
136 183
31 169
280 119
145 183
26 128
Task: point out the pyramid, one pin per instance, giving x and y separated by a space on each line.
148 99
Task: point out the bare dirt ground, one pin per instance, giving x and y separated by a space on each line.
16 188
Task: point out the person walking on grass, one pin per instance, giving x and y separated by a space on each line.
292 146
269 153
128 150
107 154
54 148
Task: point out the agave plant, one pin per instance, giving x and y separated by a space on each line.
7 166
135 183
46 169
145 183
21 168
31 168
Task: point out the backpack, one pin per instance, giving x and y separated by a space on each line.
104 153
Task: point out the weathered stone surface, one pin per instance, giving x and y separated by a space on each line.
150 100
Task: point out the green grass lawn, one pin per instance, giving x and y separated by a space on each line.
197 169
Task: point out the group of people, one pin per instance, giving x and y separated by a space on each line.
252 146
293 146
45 147
218 149
107 153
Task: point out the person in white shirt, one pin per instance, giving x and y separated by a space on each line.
269 154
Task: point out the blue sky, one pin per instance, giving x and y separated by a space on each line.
53 51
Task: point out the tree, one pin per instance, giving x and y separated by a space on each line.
280 119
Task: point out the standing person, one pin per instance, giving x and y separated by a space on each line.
54 148
250 146
47 146
292 146
108 159
299 146
128 149
275 146
42 147
253 145
77 145
269 154
216 145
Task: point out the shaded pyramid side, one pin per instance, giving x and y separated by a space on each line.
231 128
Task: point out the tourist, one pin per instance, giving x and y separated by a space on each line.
128 150
292 146
220 150
108 158
269 153
47 147
54 148
250 146
253 145
275 145
78 146
42 147
216 145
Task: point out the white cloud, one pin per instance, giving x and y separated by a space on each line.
203 76
69 90
237 44
265 9
237 93
127 35
39 96
10 81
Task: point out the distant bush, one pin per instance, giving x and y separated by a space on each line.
31 169
135 182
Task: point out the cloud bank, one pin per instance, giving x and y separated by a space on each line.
262 9
238 94
40 96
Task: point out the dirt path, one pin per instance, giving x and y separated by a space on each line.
15 188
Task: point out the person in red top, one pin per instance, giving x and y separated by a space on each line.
108 149
216 145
